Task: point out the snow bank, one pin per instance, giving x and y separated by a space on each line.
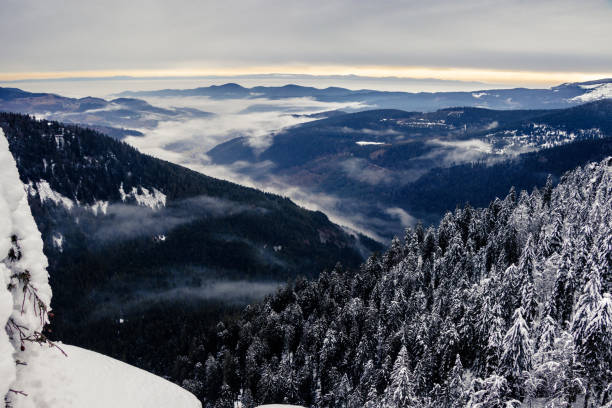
25 293
92 380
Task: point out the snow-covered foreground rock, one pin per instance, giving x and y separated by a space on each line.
35 373
92 380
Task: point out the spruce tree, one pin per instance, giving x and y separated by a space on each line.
400 393
517 351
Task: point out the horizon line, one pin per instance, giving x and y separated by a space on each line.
484 76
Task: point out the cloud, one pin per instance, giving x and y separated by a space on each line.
361 170
239 292
492 125
194 137
406 219
459 151
77 35
123 221
371 132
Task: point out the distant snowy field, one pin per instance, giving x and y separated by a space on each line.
92 380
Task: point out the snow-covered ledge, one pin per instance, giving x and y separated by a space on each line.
35 372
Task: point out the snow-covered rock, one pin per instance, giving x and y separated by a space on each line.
88 379
35 373
25 293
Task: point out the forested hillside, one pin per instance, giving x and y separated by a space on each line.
426 163
494 307
130 237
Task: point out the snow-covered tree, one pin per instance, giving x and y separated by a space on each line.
400 393
595 349
517 350
454 388
587 303
492 392
25 293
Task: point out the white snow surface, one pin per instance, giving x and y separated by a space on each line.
364 143
16 221
45 192
153 199
99 206
595 93
92 380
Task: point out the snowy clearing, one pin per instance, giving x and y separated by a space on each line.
89 379
362 143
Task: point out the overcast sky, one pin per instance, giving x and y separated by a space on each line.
314 36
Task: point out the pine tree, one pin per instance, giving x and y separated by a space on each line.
587 302
495 340
400 393
246 399
595 351
372 399
454 392
549 333
492 392
517 350
564 287
547 191
226 398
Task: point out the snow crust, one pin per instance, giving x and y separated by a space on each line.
88 379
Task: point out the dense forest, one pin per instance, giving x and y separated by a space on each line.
495 307
137 246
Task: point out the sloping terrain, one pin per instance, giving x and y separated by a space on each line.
125 232
506 305
427 163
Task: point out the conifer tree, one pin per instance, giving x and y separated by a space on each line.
517 350
400 393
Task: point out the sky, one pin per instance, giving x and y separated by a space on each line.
510 42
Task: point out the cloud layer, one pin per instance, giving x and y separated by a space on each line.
60 35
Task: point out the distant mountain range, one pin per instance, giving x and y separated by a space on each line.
561 96
110 117
371 161
383 158
125 232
